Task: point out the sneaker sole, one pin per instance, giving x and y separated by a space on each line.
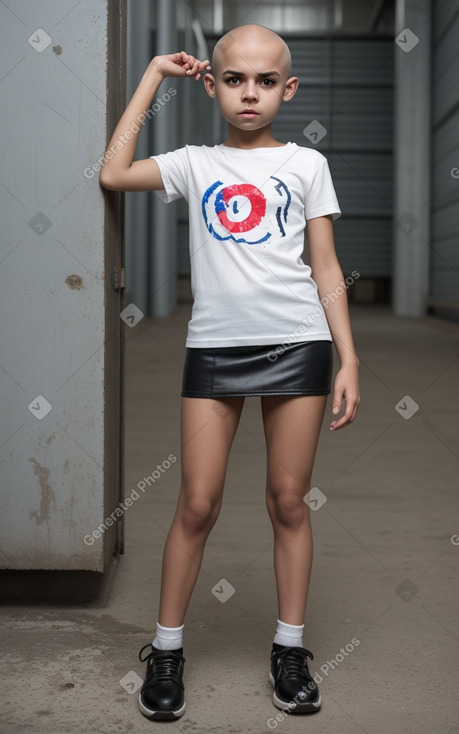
292 706
161 715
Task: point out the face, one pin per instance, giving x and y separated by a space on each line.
250 83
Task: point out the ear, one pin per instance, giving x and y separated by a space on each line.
209 83
291 85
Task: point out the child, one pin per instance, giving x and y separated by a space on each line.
257 328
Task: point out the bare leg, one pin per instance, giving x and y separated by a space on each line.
292 426
208 429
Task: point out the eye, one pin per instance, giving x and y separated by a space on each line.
267 82
232 80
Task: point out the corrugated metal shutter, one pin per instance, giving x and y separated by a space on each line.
346 83
444 280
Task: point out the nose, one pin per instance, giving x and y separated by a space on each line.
250 92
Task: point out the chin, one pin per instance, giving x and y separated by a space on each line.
243 124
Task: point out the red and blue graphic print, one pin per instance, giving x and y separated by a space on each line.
239 212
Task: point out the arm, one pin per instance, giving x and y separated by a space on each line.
119 171
328 276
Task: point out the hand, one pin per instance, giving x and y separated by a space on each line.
346 387
180 64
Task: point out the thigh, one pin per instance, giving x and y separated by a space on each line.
292 426
208 427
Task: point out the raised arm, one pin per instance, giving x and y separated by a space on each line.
119 170
328 276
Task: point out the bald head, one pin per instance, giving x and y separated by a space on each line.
247 41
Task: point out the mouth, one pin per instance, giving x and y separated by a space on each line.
248 112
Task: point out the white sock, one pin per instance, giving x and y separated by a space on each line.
290 635
168 638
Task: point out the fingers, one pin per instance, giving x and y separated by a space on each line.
180 64
352 404
346 419
346 388
193 66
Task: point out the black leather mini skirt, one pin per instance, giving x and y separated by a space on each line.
300 368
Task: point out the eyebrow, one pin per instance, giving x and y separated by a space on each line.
240 73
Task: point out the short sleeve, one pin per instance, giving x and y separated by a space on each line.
321 197
174 173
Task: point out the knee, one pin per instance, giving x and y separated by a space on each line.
198 513
287 508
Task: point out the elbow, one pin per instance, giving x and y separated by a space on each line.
106 181
111 181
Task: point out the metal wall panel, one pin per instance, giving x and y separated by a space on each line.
60 259
444 263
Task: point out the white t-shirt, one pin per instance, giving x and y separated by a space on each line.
248 212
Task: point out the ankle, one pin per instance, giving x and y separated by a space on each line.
290 635
168 638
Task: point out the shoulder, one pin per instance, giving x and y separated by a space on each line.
310 156
188 151
199 150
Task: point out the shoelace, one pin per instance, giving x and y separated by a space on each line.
164 664
293 662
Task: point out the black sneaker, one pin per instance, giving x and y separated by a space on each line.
294 688
162 695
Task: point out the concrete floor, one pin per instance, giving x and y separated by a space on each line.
384 579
